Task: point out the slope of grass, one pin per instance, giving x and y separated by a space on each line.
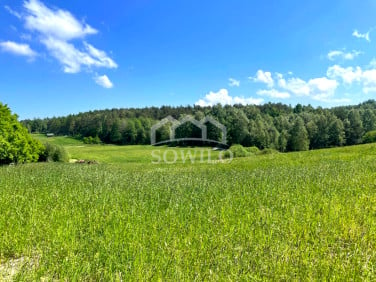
58 140
112 154
298 216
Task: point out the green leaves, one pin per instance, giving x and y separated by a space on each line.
16 145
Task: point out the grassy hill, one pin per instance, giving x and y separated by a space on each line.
307 215
138 154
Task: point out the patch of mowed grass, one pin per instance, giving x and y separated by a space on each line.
58 140
139 154
297 216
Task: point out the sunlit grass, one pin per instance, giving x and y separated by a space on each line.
296 216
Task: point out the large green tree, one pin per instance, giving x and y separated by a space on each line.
299 140
354 132
16 145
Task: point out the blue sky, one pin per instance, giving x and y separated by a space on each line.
61 57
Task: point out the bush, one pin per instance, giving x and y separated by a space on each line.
92 140
238 151
369 137
54 153
253 150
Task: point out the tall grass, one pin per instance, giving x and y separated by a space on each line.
298 216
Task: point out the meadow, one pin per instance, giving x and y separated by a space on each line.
296 216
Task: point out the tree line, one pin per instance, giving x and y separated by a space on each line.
273 125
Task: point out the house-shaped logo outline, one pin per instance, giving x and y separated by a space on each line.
176 123
192 120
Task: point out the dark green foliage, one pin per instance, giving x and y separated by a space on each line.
92 140
354 130
369 137
236 123
336 133
299 137
369 120
283 140
16 145
265 126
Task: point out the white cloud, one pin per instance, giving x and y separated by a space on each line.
17 49
57 23
56 29
332 55
103 81
322 88
295 85
350 75
72 59
365 36
233 82
317 88
264 77
222 97
323 84
273 93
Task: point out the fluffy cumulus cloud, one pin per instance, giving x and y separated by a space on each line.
263 77
17 49
321 89
64 37
55 23
233 82
103 81
222 97
324 88
350 75
338 54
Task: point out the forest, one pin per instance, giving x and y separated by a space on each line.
272 125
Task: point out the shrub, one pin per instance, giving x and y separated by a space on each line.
92 140
54 153
253 150
369 137
238 151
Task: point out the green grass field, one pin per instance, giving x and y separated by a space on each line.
297 216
